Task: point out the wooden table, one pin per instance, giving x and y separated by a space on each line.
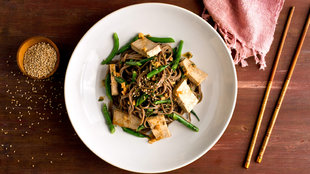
36 135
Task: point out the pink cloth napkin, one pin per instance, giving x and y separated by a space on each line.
247 26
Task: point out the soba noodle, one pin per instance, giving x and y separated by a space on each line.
159 87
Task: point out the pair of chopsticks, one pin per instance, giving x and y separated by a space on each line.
283 91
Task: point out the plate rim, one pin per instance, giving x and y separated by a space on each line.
231 61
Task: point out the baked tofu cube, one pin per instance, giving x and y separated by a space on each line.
114 89
125 120
159 127
185 97
146 47
192 72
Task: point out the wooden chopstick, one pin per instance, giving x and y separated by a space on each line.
284 89
267 92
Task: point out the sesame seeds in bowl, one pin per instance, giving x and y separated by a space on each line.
38 57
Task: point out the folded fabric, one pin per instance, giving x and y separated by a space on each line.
247 26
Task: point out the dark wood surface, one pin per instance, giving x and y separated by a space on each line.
36 135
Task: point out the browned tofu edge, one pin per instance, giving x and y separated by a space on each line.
125 120
140 50
114 89
194 68
159 122
177 96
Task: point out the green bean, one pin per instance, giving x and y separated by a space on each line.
175 49
114 50
133 63
120 80
141 99
132 132
156 71
127 45
183 75
160 39
162 101
194 113
108 118
143 61
174 52
107 84
180 119
140 128
140 62
134 76
178 56
149 112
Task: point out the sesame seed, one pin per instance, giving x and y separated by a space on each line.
39 60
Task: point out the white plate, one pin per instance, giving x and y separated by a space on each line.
83 87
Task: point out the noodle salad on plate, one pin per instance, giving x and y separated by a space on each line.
149 85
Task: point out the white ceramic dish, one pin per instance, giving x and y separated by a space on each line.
83 87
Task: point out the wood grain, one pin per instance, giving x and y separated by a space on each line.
268 88
36 135
283 91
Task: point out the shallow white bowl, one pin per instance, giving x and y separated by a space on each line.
83 87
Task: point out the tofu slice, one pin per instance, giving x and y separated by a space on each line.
192 72
159 127
114 89
185 97
123 119
146 47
